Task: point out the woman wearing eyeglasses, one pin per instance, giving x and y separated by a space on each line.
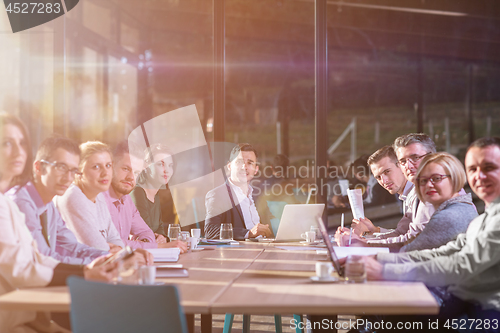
440 178
83 205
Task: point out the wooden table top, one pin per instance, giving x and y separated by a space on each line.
257 278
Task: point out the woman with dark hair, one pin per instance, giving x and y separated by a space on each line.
21 265
16 161
157 172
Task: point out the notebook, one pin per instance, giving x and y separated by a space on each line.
165 254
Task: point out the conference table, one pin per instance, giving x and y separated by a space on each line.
257 278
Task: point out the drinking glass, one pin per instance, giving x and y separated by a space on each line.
184 236
355 271
147 274
173 231
226 231
127 272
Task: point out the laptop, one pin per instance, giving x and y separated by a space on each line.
329 247
297 219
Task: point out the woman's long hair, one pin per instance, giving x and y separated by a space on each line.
149 161
26 175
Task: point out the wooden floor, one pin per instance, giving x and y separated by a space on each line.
258 324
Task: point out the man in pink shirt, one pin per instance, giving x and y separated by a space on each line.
124 214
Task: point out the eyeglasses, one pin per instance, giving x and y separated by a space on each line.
413 159
62 168
435 179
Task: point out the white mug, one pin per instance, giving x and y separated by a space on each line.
324 270
147 274
309 236
196 233
193 243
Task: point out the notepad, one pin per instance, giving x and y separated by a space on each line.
218 242
343 252
165 255
171 272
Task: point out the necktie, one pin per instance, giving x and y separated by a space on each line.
43 223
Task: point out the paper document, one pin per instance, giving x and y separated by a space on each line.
343 251
356 202
297 248
165 255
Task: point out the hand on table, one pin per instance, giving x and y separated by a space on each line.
160 239
95 271
176 243
260 230
144 257
113 248
374 269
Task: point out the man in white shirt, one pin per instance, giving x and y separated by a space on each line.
232 202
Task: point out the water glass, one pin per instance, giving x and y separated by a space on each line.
226 231
355 270
173 231
184 236
147 274
127 272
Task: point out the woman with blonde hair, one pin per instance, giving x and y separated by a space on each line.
83 205
21 265
440 179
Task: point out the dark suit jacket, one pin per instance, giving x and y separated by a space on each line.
220 209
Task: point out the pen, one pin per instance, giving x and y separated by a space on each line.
342 221
350 235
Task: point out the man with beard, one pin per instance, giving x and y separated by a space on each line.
124 214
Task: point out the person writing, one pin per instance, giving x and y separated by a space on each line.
467 267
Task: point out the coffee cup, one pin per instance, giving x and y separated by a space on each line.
195 232
309 236
324 270
193 243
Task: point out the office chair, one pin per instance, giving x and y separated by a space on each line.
102 308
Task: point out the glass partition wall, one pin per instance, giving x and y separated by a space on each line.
392 68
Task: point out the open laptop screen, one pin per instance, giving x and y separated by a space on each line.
329 247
